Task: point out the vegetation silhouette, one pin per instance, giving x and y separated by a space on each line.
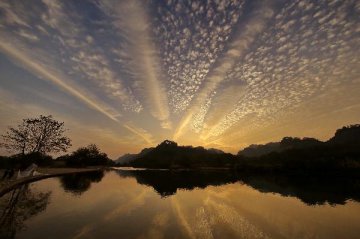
36 135
169 155
35 138
82 157
127 158
19 161
310 190
79 183
339 155
19 205
86 156
286 143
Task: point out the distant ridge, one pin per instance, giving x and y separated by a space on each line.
169 155
341 153
126 158
285 144
346 135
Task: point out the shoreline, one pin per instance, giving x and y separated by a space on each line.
45 173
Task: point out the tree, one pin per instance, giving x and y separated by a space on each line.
88 156
37 135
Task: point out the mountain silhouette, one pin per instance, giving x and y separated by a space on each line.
126 158
285 144
348 136
169 154
341 153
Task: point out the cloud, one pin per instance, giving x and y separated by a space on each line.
28 35
10 16
86 60
283 72
212 67
131 18
192 35
140 132
241 42
46 74
65 58
222 103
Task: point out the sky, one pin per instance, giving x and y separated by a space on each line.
128 74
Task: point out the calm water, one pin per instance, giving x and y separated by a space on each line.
161 204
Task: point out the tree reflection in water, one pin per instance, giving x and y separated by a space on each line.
19 205
80 182
312 190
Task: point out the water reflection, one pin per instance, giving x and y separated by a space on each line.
172 204
17 207
78 183
310 190
166 182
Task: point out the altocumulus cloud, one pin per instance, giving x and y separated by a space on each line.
195 70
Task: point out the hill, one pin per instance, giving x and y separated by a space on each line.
339 154
127 158
169 155
285 144
347 136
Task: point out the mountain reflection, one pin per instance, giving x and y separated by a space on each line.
78 183
310 190
166 182
18 206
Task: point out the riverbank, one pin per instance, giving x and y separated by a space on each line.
44 173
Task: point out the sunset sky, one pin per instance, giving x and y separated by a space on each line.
129 74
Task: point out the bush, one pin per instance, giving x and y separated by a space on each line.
23 161
86 156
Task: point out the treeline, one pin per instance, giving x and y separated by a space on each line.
82 157
169 155
318 159
339 154
35 138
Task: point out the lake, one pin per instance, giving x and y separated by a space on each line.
164 204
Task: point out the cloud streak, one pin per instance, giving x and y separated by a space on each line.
44 73
85 58
140 132
131 19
